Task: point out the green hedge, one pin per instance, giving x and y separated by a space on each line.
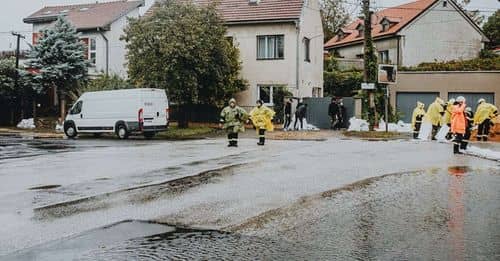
478 64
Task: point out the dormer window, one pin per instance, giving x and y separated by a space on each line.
388 22
343 33
361 29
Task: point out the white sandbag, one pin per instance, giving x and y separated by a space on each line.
26 124
425 131
443 131
358 125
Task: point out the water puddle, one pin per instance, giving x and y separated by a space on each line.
138 240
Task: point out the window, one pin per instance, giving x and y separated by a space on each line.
316 92
92 51
77 108
270 47
266 94
307 50
383 57
445 3
385 26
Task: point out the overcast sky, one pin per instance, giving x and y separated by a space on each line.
13 12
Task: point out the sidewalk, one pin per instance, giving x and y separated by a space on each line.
35 133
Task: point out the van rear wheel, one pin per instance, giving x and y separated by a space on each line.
70 130
122 132
149 135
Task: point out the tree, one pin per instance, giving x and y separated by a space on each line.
476 15
103 82
334 16
182 48
492 29
340 83
58 59
11 94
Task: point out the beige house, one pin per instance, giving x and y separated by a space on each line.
280 43
413 33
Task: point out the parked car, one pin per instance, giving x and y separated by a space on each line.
123 112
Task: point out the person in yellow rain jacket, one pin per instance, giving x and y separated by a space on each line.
446 119
416 119
261 117
485 112
232 119
434 114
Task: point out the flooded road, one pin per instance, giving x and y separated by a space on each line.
432 215
331 200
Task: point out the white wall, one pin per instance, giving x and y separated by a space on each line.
440 35
117 48
390 44
311 73
264 72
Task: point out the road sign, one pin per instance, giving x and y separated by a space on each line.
387 73
368 86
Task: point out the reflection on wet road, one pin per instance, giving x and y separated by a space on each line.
440 215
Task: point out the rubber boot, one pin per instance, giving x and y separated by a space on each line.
456 149
262 138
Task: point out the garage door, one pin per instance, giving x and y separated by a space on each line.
473 97
406 102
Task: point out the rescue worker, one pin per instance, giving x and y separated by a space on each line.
458 124
261 117
469 117
434 114
232 119
288 114
333 112
446 120
485 112
416 119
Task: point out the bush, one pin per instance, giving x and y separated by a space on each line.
478 64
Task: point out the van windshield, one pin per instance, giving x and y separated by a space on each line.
77 108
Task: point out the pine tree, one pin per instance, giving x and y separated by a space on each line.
58 59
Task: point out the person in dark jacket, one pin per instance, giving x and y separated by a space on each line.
288 114
300 114
343 115
333 112
469 118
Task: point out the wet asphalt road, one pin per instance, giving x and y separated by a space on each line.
338 199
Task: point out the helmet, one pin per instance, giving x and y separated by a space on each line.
461 99
451 101
233 100
468 109
481 101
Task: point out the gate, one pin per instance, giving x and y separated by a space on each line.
317 111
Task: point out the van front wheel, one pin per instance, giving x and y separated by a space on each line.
121 131
70 130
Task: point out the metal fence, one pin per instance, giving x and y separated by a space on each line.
317 111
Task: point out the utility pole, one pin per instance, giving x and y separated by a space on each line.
368 55
16 82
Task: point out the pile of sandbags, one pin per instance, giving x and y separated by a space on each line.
358 125
26 124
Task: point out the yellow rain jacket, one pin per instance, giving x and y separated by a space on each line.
417 113
485 111
434 111
262 118
447 113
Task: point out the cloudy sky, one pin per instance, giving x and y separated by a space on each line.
13 12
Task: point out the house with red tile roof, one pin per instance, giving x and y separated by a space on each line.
100 24
280 42
413 33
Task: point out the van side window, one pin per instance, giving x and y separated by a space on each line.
77 108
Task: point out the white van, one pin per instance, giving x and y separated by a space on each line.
122 112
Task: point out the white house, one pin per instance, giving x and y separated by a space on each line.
280 43
413 33
100 25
